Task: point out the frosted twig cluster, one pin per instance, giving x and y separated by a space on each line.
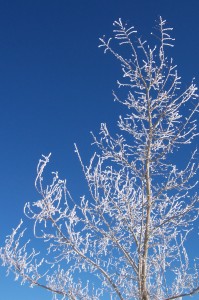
128 239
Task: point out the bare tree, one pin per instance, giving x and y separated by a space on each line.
128 239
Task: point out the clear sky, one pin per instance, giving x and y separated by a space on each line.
56 86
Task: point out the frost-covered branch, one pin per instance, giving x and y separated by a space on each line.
127 239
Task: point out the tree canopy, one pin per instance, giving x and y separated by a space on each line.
127 240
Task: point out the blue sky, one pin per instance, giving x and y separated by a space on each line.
56 86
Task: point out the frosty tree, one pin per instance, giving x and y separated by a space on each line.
128 239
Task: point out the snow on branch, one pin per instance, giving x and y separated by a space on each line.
126 238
